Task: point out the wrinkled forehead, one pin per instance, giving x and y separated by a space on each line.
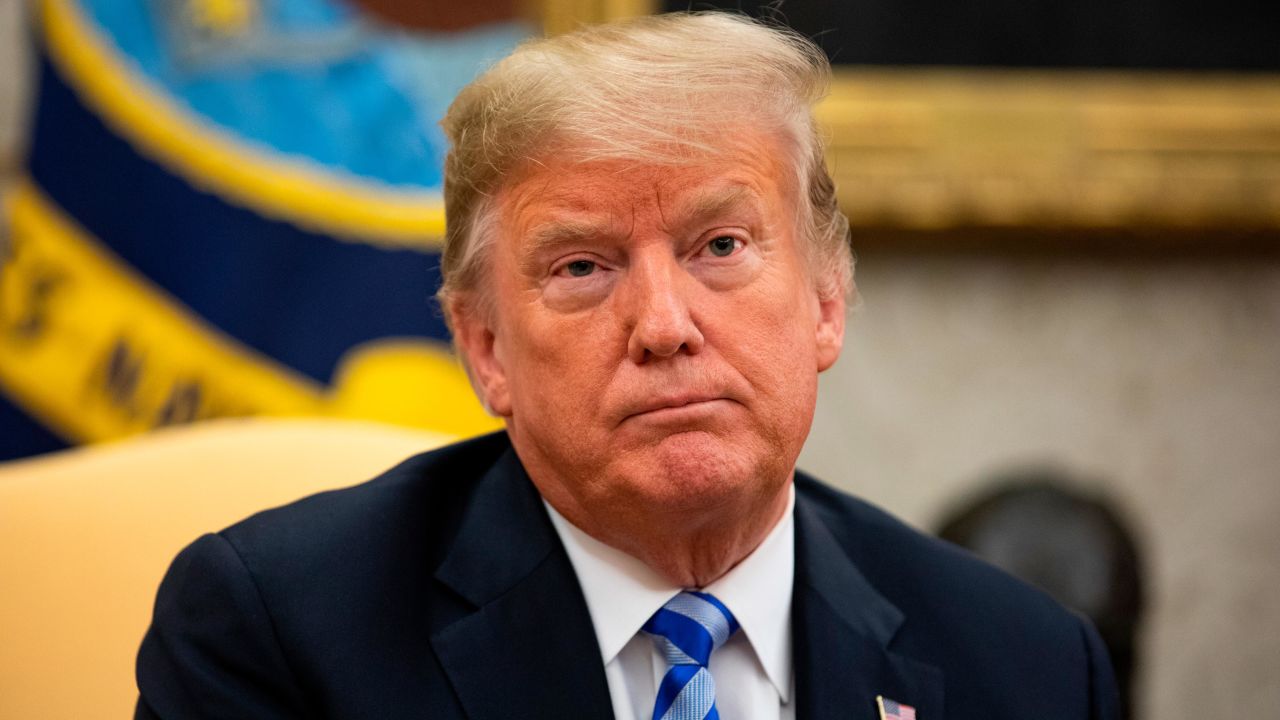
742 166
574 202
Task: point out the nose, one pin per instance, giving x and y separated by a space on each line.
659 293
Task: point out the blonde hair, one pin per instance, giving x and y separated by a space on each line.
657 89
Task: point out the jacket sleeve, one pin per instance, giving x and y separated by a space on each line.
1104 697
211 650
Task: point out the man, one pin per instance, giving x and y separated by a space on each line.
645 271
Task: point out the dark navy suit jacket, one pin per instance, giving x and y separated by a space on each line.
441 590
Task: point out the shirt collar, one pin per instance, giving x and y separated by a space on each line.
622 593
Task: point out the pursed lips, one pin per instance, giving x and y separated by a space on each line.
657 405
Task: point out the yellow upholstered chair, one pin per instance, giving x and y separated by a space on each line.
86 535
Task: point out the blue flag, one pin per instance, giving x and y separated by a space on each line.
231 207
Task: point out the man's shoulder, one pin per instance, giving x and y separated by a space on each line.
926 577
422 496
1004 648
341 583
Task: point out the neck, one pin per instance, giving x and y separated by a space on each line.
691 552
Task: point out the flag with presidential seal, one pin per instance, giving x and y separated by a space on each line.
230 208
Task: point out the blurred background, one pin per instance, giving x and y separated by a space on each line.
1067 216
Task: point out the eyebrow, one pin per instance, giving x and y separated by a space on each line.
560 232
549 236
718 201
554 233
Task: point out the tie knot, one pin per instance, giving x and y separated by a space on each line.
689 626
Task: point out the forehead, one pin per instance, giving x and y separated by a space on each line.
750 172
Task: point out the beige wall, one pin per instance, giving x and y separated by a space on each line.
1162 378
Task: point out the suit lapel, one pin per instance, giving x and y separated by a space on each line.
843 629
528 650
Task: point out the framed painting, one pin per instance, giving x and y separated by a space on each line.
994 125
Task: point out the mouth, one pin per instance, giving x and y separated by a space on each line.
677 408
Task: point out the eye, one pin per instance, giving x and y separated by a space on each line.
580 268
723 246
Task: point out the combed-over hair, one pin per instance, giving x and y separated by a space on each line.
659 89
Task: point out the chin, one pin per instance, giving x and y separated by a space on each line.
699 471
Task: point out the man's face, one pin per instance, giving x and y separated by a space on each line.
656 334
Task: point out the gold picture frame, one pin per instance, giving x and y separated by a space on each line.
1072 154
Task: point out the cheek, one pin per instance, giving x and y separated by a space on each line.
774 344
778 322
570 295
541 385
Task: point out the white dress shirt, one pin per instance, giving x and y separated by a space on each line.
752 670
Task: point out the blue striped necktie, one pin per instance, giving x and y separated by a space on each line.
686 630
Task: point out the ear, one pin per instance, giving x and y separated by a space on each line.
478 341
830 330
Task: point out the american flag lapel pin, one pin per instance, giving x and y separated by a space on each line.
894 710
